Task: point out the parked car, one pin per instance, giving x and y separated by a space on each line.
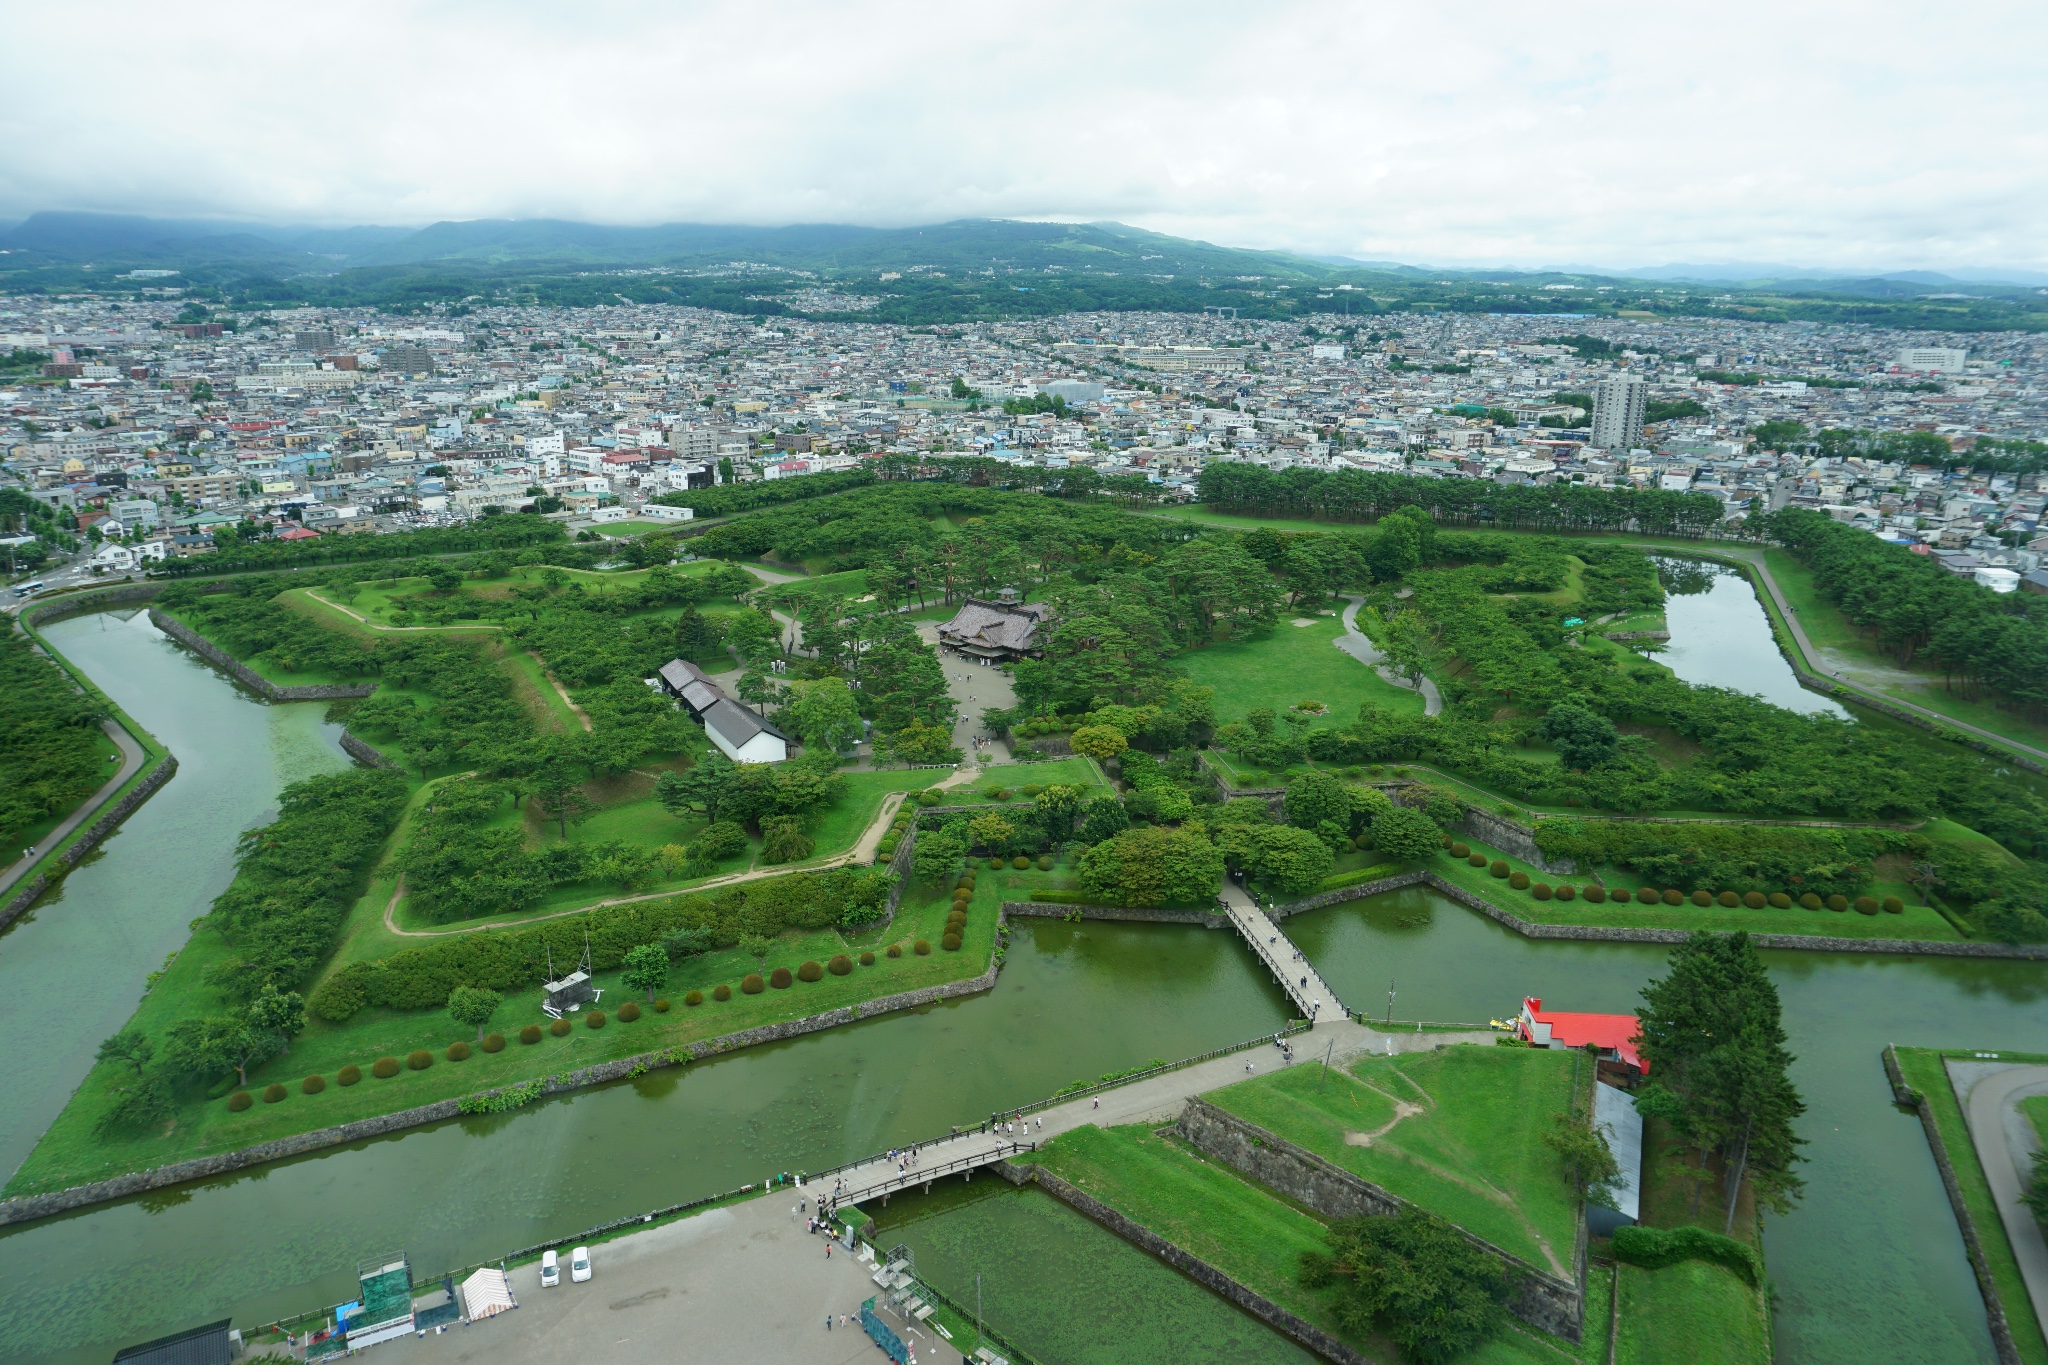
550 1270
579 1264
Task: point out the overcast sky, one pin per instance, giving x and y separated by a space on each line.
1882 134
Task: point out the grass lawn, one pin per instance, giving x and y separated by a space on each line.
1078 771
2036 1110
1922 1067
69 1152
1458 1131
1291 664
849 584
1695 1312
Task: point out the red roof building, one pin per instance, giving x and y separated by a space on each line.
1613 1034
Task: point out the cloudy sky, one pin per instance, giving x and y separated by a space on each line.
1880 135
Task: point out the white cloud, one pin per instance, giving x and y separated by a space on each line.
1883 136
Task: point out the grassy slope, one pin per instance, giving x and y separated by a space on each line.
69 1153
1694 1312
1474 1155
1291 664
1923 1070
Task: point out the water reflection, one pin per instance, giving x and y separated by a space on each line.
1720 637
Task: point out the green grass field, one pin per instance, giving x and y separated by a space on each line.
1458 1131
2036 1110
69 1152
1696 1312
1923 1070
1292 664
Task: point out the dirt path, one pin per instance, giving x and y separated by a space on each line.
560 690
1359 646
132 758
367 624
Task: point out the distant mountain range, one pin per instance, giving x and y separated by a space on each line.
978 246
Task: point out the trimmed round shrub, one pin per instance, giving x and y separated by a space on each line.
752 983
1838 903
867 958
560 1028
951 943
1754 900
273 1092
594 1019
1045 862
840 965
1445 842
780 978
419 1059
312 1085
956 917
1893 906
895 950
722 992
1780 901
1673 896
1567 892
1596 895
1701 897
530 1034
694 999
921 948
1620 895
349 1074
1021 863
239 1101
1519 881
494 1042
1475 859
629 1012
1030 789
1866 905
1461 850
960 907
811 971
458 1051
1499 868
661 1005
1810 901
1541 891
1729 898
384 1068
927 798
995 864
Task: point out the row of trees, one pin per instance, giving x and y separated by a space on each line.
49 739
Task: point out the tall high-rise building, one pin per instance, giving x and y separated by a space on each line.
1618 411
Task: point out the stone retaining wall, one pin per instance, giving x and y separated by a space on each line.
1144 914
74 853
1196 1269
97 599
30 1207
1544 1300
363 752
1973 1242
1510 837
248 677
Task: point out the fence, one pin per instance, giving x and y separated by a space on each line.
924 1175
1082 1092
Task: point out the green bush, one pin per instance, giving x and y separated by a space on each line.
1838 903
995 864
1476 859
594 1019
1500 867
694 998
629 1012
560 1027
272 1093
1702 897
722 992
951 943
384 1068
810 971
1541 891
458 1052
1755 900
1518 880
1656 1248
1729 899
780 978
1567 892
1045 862
1809 901
1894 906
921 948
1780 901
312 1085
239 1101
349 1074
530 1034
662 1006
1866 905
1673 896
928 798
494 1042
1020 863
752 983
840 965
867 958
420 1059
1461 851
895 950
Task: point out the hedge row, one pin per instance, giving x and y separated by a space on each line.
1656 1248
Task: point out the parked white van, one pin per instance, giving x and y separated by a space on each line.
579 1264
550 1270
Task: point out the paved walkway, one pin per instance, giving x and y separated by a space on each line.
2006 1143
132 757
1293 971
1359 646
974 687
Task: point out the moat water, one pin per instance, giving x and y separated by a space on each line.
1869 1268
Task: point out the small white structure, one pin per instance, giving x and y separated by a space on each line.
602 515
657 511
486 1294
743 736
1621 1128
1998 580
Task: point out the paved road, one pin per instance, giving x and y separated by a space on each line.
1359 646
2006 1144
132 758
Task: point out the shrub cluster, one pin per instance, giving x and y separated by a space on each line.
312 1085
530 1034
384 1068
458 1051
349 1074
723 992
780 978
1656 1248
559 1027
594 1019
629 1011
694 998
494 1042
239 1101
810 971
420 1060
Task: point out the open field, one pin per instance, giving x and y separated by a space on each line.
1458 1131
1694 1311
1291 664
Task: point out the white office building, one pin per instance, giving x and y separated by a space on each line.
1934 359
1618 403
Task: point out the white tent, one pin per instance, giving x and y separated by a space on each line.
485 1294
